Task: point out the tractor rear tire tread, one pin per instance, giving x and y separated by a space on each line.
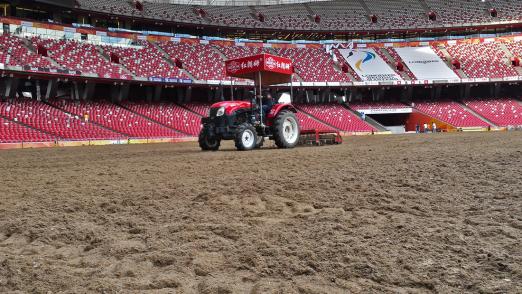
277 129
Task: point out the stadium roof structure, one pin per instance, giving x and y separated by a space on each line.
234 2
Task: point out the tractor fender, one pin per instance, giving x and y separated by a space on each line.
276 109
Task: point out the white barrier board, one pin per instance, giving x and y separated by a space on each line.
369 66
425 64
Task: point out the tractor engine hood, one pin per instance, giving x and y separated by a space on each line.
231 106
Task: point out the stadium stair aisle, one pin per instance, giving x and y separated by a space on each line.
307 122
406 74
80 56
198 59
514 49
447 58
368 119
168 59
107 58
313 65
392 59
468 108
15 52
145 60
344 63
201 109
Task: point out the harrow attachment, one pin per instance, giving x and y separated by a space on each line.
319 138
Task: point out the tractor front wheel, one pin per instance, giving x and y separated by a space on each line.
207 142
246 137
286 129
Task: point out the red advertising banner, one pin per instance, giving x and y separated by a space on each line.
278 64
246 65
261 62
272 69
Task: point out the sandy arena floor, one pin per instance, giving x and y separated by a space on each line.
399 214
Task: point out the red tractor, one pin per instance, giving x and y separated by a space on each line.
248 123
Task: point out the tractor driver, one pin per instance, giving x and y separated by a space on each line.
268 102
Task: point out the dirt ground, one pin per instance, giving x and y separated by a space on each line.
400 214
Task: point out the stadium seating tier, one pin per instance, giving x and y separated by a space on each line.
205 62
485 60
502 112
12 132
337 15
117 118
337 116
168 114
450 112
51 120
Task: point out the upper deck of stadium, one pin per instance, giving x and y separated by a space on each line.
319 16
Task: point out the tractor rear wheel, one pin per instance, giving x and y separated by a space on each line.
246 137
208 143
286 129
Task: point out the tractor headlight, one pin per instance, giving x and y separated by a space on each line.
220 111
